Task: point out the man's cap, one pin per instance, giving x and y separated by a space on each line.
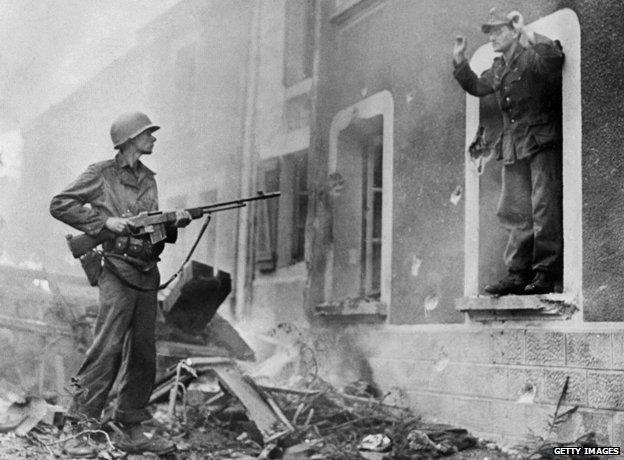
496 20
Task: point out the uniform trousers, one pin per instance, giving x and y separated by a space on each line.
530 208
124 345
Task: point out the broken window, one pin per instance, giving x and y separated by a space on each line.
298 41
266 214
357 210
281 223
300 205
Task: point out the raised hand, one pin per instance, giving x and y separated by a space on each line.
459 49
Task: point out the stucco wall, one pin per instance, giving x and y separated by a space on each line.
603 138
405 47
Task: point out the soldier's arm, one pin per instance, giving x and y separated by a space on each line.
546 55
70 206
468 80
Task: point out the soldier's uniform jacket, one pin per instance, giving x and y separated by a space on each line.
528 90
111 188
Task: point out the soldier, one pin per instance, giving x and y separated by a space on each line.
124 340
526 79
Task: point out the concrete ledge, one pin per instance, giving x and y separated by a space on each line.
486 308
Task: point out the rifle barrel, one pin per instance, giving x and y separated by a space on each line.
242 201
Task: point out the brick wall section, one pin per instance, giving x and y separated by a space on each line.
504 383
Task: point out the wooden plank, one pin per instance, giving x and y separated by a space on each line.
270 424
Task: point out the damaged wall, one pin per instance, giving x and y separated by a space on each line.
405 47
499 379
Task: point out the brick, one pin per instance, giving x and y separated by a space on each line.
471 379
545 348
554 379
618 350
523 419
507 346
605 389
399 373
589 350
397 346
520 378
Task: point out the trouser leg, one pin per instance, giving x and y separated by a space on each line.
547 213
97 374
515 214
139 369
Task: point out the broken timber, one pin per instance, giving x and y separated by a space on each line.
262 410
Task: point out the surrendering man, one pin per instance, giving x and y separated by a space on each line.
526 79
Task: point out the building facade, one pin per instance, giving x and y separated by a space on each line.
385 231
403 233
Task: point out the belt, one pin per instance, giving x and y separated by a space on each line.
131 247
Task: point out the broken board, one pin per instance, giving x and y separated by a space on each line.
267 417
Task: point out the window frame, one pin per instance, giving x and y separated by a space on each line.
562 25
379 104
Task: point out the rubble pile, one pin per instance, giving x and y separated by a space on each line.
213 402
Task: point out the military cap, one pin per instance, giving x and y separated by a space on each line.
496 20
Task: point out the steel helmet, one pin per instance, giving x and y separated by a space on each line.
129 125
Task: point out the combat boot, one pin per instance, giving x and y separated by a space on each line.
513 283
134 439
78 443
541 284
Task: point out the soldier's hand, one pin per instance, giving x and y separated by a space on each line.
459 49
119 225
516 19
183 218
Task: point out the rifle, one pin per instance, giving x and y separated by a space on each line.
153 223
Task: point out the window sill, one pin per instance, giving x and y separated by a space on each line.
515 307
353 308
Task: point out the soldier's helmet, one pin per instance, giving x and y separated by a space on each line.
129 125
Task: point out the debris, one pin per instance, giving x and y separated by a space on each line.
301 451
266 415
375 443
194 298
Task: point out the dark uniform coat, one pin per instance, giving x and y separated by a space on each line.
528 90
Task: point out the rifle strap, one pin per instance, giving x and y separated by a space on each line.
131 285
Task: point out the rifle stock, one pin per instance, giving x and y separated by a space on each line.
79 245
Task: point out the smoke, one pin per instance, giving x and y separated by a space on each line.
49 47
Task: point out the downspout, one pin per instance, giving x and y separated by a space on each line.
245 253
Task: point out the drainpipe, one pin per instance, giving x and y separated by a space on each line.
245 253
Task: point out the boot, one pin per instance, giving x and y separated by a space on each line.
78 445
134 440
541 284
513 283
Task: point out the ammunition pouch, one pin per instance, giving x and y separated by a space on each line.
138 248
92 265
